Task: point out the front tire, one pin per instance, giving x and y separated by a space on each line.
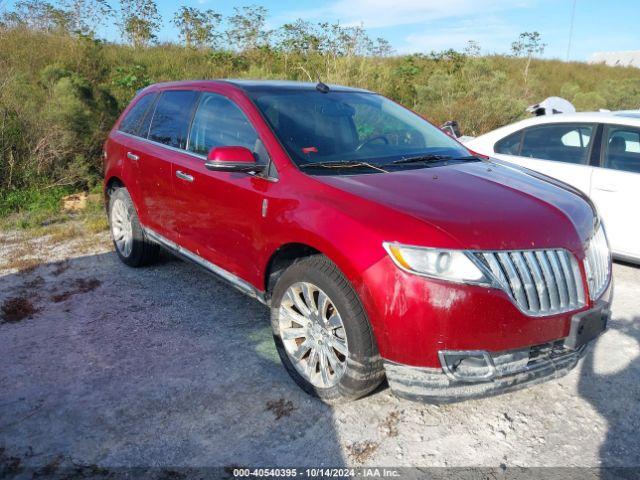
129 240
322 333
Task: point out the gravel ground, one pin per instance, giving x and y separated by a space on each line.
165 366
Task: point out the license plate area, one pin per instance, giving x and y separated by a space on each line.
586 326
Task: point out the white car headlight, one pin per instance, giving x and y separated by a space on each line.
452 265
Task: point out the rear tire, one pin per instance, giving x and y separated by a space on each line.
322 333
129 240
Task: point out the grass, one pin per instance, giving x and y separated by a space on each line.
40 210
31 206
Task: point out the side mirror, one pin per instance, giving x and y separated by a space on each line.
232 159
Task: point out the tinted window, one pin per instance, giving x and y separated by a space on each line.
509 145
342 126
622 149
219 122
133 122
561 142
171 118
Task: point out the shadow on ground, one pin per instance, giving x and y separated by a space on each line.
611 386
162 366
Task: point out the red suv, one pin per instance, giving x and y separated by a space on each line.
382 246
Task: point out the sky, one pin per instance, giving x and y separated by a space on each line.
424 25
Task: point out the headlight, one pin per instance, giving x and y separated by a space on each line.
452 265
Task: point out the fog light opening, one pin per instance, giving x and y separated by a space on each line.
467 365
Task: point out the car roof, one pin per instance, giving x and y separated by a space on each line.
253 85
288 85
602 116
623 117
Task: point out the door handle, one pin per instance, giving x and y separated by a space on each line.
133 156
184 176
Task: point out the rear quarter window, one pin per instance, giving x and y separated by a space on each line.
134 121
509 145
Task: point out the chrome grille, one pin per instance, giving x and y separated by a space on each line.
541 282
598 264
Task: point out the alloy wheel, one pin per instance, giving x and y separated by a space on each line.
121 227
313 334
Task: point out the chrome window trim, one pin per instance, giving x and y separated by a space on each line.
232 279
194 155
162 145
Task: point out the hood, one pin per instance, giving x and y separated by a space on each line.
481 205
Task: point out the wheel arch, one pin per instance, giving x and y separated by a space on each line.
284 256
110 184
289 252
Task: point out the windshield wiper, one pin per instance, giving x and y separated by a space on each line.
432 158
422 159
342 164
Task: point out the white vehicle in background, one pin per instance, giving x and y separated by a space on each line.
598 153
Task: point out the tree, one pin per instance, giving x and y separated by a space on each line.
36 15
197 27
247 28
472 49
528 44
349 41
86 15
300 37
139 21
381 48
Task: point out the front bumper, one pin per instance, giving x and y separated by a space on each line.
433 385
510 370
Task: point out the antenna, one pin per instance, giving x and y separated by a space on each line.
320 86
573 15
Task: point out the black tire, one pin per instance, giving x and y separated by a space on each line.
143 252
364 370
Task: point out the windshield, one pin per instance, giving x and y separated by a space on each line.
317 127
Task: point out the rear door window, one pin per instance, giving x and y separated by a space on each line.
561 142
134 122
622 148
170 123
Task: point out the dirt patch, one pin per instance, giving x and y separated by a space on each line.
16 309
80 285
60 268
9 465
389 426
51 467
360 452
280 408
60 466
75 203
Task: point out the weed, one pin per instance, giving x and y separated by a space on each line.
360 452
16 309
390 424
280 408
80 285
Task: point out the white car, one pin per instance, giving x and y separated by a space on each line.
598 153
